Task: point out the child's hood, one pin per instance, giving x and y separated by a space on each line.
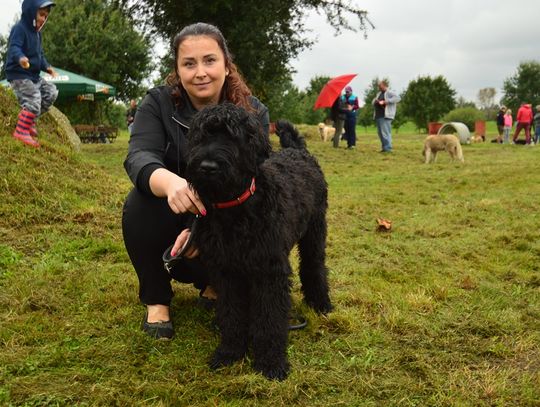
29 11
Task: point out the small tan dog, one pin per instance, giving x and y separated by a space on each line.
326 132
442 142
478 138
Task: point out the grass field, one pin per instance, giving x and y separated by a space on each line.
444 310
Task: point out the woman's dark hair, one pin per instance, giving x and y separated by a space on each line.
234 88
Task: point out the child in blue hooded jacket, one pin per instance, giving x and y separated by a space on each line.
25 60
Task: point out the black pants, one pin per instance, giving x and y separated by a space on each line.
149 227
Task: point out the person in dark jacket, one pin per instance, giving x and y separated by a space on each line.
161 206
338 114
24 61
500 124
536 120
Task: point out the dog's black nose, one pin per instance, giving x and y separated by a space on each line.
209 166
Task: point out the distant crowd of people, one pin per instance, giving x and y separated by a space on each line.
526 119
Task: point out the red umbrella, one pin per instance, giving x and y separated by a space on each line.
332 90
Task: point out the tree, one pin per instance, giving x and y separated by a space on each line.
523 86
400 118
95 39
462 102
312 92
486 101
264 37
287 102
3 54
427 99
3 48
486 98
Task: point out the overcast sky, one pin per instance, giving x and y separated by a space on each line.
474 43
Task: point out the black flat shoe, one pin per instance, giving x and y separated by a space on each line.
158 330
206 303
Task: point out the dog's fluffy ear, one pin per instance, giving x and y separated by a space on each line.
257 143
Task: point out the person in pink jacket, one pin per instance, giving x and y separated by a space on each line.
507 125
523 119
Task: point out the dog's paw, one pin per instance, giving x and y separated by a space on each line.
222 358
273 371
321 307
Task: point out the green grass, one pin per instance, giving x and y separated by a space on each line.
443 310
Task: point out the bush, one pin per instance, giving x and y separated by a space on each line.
466 115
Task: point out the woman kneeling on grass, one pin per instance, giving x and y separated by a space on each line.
161 206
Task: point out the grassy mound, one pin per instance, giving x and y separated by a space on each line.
54 127
49 185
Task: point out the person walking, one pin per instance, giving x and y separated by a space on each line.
385 104
350 102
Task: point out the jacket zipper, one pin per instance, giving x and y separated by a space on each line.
179 122
178 143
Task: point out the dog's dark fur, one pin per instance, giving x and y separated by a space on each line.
246 248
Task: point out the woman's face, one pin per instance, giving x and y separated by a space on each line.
202 70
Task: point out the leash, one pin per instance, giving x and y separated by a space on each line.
301 322
170 261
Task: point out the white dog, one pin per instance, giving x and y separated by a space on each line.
442 142
326 132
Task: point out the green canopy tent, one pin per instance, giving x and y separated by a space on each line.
72 86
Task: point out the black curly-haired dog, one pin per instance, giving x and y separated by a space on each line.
259 205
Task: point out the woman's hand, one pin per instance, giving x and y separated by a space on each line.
181 241
180 197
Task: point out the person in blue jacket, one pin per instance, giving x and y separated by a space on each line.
24 62
351 102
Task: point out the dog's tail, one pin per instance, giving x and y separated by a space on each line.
288 136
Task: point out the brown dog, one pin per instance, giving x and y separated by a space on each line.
442 142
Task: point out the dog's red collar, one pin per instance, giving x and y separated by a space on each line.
238 201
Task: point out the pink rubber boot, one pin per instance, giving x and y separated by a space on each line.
24 126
